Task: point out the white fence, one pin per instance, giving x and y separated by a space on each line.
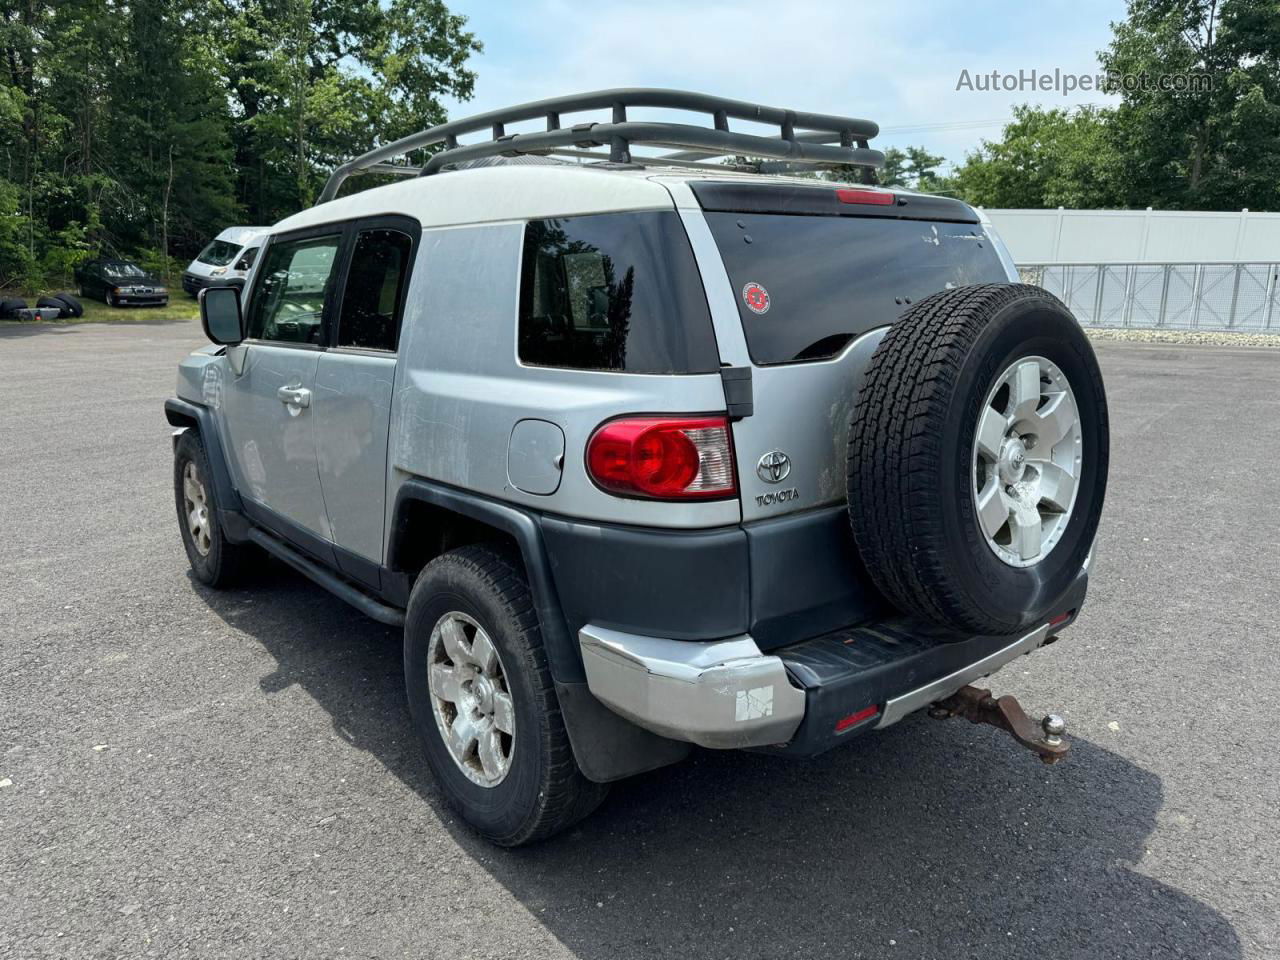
1176 296
1138 236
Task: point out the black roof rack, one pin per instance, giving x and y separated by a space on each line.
803 138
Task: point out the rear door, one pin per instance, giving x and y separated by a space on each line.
815 282
352 403
269 407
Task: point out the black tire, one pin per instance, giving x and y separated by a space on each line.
543 791
74 306
109 299
53 303
10 306
911 449
225 563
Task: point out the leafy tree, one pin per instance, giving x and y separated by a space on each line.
1205 149
1046 158
142 128
1176 145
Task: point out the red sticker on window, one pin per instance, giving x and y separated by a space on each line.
756 298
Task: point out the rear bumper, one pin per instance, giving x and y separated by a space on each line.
723 694
801 699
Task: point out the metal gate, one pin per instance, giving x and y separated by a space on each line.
1173 296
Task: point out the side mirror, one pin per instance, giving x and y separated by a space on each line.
220 315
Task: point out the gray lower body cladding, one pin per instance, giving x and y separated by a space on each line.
779 580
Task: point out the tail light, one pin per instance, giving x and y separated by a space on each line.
878 198
664 458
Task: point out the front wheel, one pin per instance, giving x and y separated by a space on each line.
215 561
483 701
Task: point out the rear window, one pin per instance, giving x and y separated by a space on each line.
808 285
617 291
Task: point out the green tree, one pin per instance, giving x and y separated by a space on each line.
142 128
1194 148
1046 158
315 81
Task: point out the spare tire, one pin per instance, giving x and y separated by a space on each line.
75 307
978 458
9 306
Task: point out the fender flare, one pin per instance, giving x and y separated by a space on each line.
184 414
522 526
606 746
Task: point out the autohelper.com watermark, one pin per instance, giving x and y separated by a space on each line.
1066 83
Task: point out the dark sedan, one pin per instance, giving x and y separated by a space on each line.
120 283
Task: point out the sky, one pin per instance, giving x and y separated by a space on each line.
897 63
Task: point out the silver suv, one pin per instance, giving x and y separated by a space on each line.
650 452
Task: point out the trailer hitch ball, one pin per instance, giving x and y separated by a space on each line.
1005 713
1054 727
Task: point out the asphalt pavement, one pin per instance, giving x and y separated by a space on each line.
186 773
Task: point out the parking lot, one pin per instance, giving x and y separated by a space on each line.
187 773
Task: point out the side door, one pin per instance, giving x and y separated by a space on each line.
352 402
269 408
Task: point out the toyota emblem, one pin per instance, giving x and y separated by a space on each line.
773 467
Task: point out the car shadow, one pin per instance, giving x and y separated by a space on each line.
929 839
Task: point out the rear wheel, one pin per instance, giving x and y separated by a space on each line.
482 699
978 457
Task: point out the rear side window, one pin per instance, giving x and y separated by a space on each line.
375 285
808 285
617 291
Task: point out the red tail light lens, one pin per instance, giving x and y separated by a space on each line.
875 197
665 458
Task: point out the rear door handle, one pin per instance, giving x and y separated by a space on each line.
294 396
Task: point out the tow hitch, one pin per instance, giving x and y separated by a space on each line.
978 706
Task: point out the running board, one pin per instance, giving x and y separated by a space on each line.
374 609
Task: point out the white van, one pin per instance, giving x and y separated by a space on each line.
226 260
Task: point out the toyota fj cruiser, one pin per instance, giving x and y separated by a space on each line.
648 452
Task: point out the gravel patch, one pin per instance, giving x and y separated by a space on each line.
1219 338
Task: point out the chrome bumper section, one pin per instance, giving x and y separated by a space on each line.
724 694
940 689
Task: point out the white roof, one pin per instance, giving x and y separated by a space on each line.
243 235
517 192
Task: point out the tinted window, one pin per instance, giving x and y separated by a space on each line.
615 291
824 280
246 261
288 300
121 271
375 282
218 253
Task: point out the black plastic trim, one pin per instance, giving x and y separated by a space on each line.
678 584
738 397
721 197
295 534
344 591
851 669
183 413
806 577
606 746
562 649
